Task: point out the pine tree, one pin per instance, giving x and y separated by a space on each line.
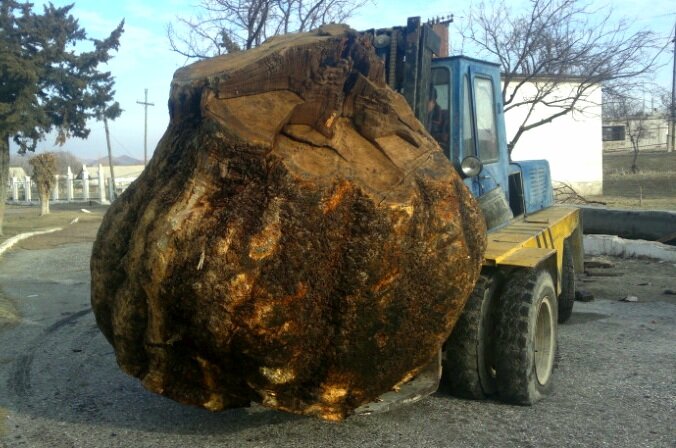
46 84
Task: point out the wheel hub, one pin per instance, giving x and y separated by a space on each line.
544 341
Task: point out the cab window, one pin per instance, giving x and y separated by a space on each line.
438 108
485 119
467 121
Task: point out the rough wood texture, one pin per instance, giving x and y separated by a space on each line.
297 239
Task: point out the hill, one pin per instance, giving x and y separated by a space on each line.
121 160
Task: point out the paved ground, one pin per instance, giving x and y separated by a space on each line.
60 386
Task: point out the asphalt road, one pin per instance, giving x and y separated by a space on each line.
60 385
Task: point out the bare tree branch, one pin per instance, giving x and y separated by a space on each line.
565 194
225 26
629 110
562 41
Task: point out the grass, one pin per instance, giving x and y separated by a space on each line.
649 162
21 218
653 187
641 175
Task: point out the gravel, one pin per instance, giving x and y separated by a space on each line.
61 386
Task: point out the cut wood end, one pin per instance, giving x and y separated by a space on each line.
222 65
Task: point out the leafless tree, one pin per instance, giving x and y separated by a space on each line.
226 26
623 108
636 129
64 159
557 42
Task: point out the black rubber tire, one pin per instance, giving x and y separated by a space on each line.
525 351
567 297
468 370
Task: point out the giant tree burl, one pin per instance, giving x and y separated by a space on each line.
297 239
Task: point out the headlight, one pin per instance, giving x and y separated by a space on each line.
471 166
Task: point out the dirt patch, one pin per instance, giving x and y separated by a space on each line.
621 277
78 225
635 203
82 231
8 312
3 421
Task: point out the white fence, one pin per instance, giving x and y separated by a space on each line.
70 188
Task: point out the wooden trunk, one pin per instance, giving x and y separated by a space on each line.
297 239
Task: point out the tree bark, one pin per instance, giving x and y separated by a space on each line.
635 149
298 239
44 200
4 177
634 162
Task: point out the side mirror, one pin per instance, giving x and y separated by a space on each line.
471 166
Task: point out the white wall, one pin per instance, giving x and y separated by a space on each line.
572 143
654 137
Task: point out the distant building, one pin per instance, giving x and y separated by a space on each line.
17 171
654 133
572 143
122 172
76 186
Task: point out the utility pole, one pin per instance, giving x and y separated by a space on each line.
110 160
672 111
145 127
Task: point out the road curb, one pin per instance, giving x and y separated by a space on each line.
651 225
620 247
22 236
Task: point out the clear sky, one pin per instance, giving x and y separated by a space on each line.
145 61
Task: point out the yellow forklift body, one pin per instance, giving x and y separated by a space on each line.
533 240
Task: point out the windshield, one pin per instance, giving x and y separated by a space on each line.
438 108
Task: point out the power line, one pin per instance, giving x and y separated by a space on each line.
125 150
